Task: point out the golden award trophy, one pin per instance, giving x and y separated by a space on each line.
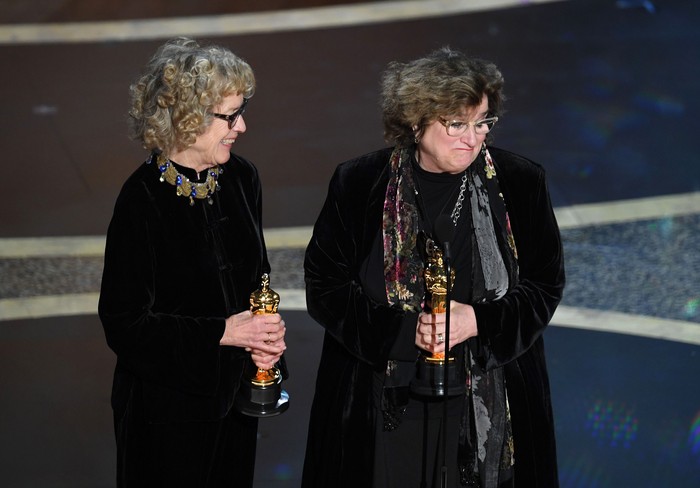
261 393
432 370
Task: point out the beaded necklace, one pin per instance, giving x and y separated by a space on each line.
184 187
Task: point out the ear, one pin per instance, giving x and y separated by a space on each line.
416 134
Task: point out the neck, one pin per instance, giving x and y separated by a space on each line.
183 158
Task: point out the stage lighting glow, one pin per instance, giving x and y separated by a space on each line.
660 104
582 472
612 424
694 436
691 308
282 472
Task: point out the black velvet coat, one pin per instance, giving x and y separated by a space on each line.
172 274
361 332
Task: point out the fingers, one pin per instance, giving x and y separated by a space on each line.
268 338
264 361
273 336
273 348
431 334
264 332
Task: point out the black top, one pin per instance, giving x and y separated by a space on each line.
437 194
173 272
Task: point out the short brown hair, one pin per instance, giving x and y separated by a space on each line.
438 85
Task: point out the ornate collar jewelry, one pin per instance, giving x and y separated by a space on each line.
184 187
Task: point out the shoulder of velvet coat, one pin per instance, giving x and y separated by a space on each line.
515 165
358 172
357 191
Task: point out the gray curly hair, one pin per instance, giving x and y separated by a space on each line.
171 102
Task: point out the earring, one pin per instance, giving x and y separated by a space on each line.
489 168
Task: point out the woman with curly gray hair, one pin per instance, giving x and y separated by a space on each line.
401 400
184 251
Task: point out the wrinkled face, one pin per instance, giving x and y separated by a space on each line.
439 152
214 145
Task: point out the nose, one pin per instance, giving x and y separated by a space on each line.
470 136
239 126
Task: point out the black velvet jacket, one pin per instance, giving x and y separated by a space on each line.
360 332
172 273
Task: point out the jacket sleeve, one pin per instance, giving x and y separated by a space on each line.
335 298
509 326
177 351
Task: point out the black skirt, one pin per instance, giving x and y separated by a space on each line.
410 456
209 454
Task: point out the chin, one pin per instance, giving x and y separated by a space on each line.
224 156
458 168
467 164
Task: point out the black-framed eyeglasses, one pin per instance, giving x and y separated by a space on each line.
456 128
233 118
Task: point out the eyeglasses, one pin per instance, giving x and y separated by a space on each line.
456 128
233 118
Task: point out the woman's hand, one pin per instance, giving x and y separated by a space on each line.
260 334
430 329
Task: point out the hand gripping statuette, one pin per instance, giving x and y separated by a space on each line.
436 373
261 393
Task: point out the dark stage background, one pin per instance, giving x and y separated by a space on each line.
604 94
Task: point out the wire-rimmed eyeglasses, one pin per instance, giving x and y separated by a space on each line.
233 118
456 128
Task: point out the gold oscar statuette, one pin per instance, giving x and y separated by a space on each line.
433 369
436 285
261 393
265 300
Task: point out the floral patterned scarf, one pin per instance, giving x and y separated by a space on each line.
403 268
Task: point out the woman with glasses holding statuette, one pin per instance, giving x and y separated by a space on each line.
370 272
184 251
